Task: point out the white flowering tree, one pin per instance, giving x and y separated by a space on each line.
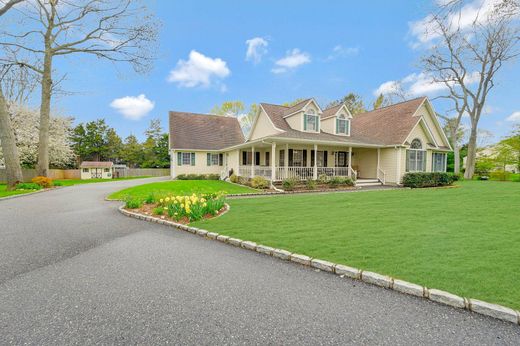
25 124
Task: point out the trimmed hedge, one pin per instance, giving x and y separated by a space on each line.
198 177
424 179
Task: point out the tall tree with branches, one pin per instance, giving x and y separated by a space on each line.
467 55
7 139
113 30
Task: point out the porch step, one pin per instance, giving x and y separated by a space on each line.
368 182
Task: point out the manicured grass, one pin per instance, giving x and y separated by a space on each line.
4 193
179 188
69 182
464 240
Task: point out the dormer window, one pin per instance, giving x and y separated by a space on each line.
342 125
311 121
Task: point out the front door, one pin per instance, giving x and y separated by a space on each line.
341 159
96 173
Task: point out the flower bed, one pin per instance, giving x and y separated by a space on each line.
181 209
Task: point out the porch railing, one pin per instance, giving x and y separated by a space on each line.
381 176
299 173
333 171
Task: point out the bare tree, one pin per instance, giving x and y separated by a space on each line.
468 55
7 140
113 30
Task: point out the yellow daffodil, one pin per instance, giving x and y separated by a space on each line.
161 200
167 199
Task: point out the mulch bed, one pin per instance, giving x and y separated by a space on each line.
147 209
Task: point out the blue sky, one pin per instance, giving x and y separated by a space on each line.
315 49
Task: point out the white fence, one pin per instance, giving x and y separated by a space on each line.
299 173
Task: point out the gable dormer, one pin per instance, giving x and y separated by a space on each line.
336 120
304 116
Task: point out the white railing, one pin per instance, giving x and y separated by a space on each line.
299 173
262 171
333 171
244 171
353 173
381 176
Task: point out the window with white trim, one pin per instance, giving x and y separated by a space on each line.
311 121
185 159
416 157
342 125
439 162
214 159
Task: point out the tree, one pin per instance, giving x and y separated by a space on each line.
114 146
293 102
455 134
7 139
114 30
236 109
90 140
353 102
513 142
25 123
381 101
132 152
467 56
151 151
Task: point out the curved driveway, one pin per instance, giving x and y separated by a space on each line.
75 271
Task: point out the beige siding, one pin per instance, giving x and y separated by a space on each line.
104 174
365 162
388 163
329 125
419 132
296 121
428 117
200 166
263 127
233 160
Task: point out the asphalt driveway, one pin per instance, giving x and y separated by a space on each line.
75 271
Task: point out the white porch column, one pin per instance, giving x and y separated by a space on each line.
378 159
252 161
349 162
273 162
286 161
315 168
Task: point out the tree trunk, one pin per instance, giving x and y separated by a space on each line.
13 169
472 152
456 157
45 110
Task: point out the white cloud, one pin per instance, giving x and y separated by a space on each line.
133 107
256 48
342 52
515 116
291 61
198 70
475 12
419 84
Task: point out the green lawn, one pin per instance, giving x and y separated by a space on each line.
180 187
4 193
464 240
69 182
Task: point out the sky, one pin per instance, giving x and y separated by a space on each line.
268 51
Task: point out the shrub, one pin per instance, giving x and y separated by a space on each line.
335 181
28 186
500 175
42 181
158 210
425 179
323 179
243 181
193 207
289 184
198 177
150 199
133 203
310 184
259 183
233 178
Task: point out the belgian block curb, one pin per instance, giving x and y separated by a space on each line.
445 298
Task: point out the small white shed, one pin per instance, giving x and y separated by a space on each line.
96 170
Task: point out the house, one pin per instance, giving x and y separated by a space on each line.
96 170
491 152
304 142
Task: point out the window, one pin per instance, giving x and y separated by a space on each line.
267 158
416 157
297 158
311 121
281 158
247 158
185 159
439 162
342 125
322 158
85 170
341 158
214 159
107 169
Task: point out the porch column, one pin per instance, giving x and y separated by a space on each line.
252 162
315 168
378 159
349 173
286 161
273 162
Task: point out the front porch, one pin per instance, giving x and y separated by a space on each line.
279 161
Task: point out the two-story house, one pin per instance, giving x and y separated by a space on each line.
304 142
